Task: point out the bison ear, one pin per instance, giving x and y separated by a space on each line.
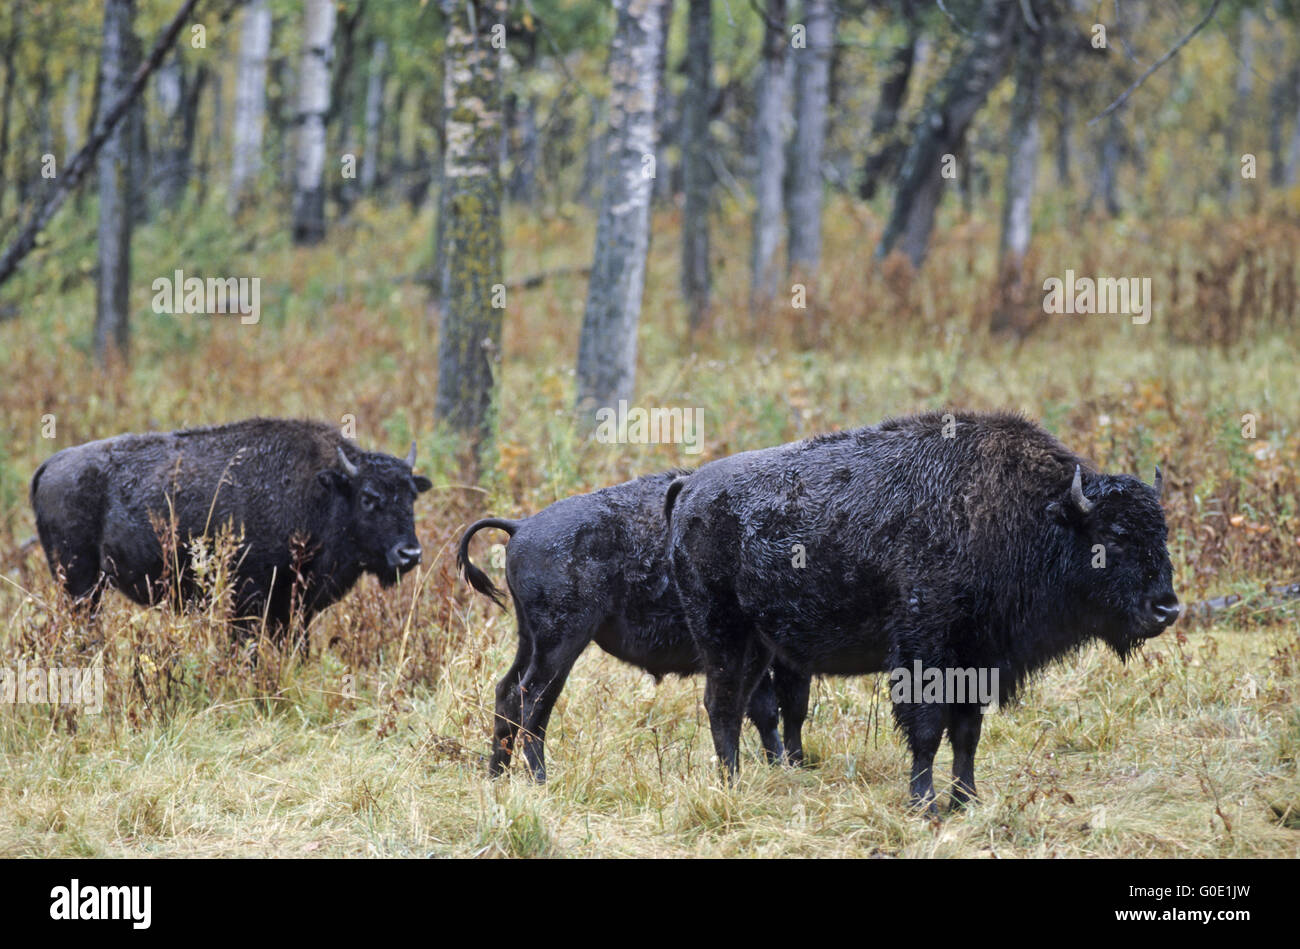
334 480
422 484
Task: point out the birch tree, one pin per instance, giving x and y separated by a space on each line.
112 286
1022 169
941 130
313 104
770 130
812 92
250 102
607 347
469 331
697 176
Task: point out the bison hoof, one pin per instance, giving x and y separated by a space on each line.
962 798
927 806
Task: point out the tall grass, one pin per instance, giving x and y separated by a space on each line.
372 743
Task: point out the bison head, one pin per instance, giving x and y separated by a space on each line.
377 493
1122 563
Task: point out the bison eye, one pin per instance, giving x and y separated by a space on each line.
371 500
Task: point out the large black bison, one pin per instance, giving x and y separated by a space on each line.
595 567
938 542
315 512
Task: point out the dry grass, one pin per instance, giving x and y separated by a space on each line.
373 745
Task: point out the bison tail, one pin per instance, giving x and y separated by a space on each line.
479 580
670 499
36 478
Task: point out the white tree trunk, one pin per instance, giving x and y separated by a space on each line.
1018 195
1022 167
812 93
772 123
313 103
607 348
250 102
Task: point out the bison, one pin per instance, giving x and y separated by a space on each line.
936 542
315 512
590 567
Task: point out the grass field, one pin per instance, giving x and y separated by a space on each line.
373 744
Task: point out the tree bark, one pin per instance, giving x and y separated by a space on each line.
112 287
957 97
374 115
340 118
469 334
888 145
250 103
1064 145
771 125
313 104
812 90
1279 97
1243 89
697 176
178 97
607 347
1018 197
1109 148
665 130
169 94
71 114
6 101
523 177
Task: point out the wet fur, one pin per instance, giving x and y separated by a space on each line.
594 568
961 552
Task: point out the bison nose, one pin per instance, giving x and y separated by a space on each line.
1165 609
405 556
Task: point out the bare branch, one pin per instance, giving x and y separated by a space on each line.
82 161
1157 64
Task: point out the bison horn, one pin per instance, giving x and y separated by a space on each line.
410 456
1076 492
348 466
1159 484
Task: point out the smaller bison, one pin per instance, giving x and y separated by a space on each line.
594 567
963 543
314 510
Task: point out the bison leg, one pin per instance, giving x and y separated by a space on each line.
922 723
509 707
792 690
763 713
732 675
80 576
553 657
964 735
